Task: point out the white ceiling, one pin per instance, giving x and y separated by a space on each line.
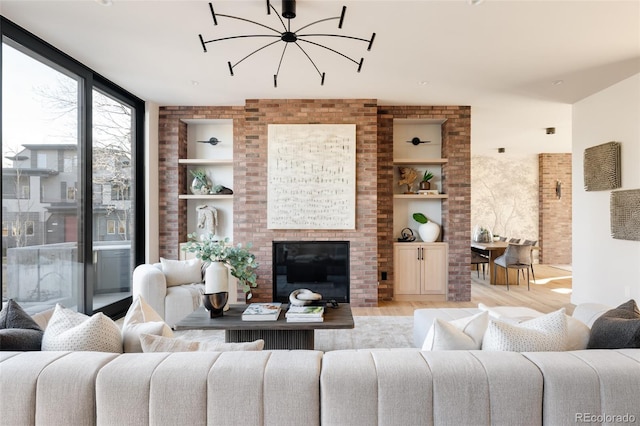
493 56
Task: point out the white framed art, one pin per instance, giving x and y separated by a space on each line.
311 176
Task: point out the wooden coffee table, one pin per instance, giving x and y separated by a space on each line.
278 334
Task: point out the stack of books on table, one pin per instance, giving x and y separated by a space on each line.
305 314
262 311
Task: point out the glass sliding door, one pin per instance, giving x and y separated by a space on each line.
41 204
113 209
71 141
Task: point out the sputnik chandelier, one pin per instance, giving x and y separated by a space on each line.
288 36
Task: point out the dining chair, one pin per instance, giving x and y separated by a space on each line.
530 243
479 258
503 238
514 240
516 256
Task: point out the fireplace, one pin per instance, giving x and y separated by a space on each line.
320 266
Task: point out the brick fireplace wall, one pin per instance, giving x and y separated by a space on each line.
250 205
371 241
554 220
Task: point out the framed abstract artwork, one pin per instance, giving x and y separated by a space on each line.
311 176
625 214
602 167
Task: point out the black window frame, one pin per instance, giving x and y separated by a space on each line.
92 80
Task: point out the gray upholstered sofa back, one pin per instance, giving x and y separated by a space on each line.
363 387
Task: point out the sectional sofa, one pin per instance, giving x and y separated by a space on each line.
353 387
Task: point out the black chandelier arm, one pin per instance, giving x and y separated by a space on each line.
231 67
232 37
316 22
321 74
370 41
275 76
245 20
269 5
336 52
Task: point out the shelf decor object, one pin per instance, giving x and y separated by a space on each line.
625 214
288 36
602 167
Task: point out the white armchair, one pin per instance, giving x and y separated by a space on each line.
172 288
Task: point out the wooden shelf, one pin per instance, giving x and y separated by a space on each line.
421 197
204 162
398 161
205 197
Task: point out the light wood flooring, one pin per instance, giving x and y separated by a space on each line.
549 292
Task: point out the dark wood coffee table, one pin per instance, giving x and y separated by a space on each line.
278 334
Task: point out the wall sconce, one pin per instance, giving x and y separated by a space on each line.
501 150
558 189
551 130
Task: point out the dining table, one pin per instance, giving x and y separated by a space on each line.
496 249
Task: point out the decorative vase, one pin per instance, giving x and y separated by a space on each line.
482 234
198 187
429 232
216 278
424 185
215 303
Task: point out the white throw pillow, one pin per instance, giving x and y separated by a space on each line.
545 333
151 343
461 334
579 334
142 319
512 314
72 331
178 272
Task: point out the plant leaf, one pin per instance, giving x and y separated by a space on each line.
420 218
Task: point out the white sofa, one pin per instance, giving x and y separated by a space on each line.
171 302
363 387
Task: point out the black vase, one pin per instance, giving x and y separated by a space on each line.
214 303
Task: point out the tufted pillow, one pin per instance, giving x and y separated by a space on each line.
72 331
18 332
178 272
141 319
617 328
461 334
545 333
151 343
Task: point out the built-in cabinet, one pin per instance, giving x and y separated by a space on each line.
216 161
420 268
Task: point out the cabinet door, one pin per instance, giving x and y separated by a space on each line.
407 266
434 269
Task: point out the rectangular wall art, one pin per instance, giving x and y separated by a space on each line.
625 214
602 167
311 176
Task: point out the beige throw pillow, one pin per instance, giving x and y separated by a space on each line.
151 343
142 319
178 272
461 334
545 333
72 331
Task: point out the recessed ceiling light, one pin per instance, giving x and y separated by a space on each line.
475 2
194 82
423 83
557 82
104 2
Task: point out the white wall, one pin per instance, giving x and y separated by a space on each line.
605 270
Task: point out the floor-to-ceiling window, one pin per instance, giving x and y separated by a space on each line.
70 216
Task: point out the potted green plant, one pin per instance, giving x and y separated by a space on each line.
200 184
428 230
239 259
426 177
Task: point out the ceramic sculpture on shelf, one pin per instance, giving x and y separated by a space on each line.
207 218
428 230
408 175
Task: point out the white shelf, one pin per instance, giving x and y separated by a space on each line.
204 162
420 197
205 197
420 161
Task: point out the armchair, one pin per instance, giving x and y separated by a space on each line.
172 288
